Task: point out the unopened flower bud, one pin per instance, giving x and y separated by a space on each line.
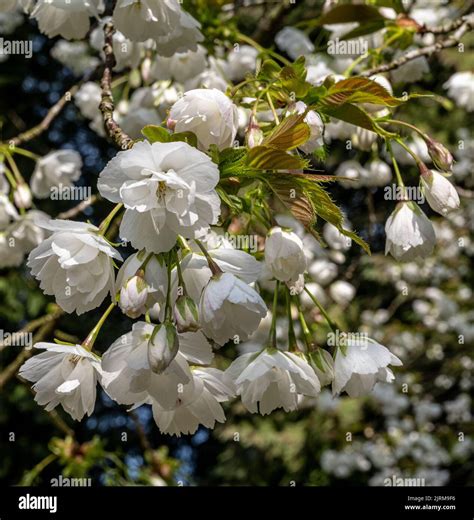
439 191
254 134
440 155
133 296
22 196
162 347
171 123
186 314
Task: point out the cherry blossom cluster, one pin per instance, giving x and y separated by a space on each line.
189 289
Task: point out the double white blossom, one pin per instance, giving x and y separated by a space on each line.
272 379
230 308
410 234
360 365
66 18
199 403
164 21
167 190
75 264
66 375
209 114
284 255
59 168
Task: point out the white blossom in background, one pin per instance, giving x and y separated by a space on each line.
209 114
354 172
27 231
411 71
140 111
75 264
284 255
230 308
199 403
8 212
65 375
439 192
294 42
380 173
342 292
87 99
164 21
58 168
410 234
69 19
335 239
167 190
322 271
272 379
460 87
181 66
74 55
208 79
360 364
240 61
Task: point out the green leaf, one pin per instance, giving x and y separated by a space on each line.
347 13
356 116
307 200
186 137
359 90
289 134
232 161
294 199
156 134
269 158
364 29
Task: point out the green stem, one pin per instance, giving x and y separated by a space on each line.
90 340
272 107
104 225
273 335
304 327
168 292
408 125
216 270
27 153
255 45
411 152
323 311
16 172
395 165
291 329
10 178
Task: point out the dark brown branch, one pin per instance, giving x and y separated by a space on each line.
112 128
451 41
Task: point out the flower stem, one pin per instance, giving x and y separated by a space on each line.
16 172
395 165
246 39
323 311
291 329
408 125
88 343
104 225
273 336
216 270
272 107
168 291
410 151
304 327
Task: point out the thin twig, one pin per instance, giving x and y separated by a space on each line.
451 41
70 213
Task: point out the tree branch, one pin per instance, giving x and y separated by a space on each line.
70 213
112 128
451 41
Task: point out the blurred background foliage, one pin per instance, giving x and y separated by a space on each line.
421 426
